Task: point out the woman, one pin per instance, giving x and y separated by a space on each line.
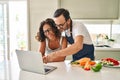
50 39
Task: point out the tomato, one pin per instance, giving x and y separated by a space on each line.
115 62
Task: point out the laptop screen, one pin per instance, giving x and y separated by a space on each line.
33 62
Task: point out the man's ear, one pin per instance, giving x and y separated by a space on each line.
68 21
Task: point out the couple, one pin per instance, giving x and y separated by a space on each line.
55 34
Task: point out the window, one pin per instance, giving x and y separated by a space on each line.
13 31
18 25
13 27
98 32
3 31
104 32
116 34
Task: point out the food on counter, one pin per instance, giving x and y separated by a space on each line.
85 59
97 67
75 63
81 62
109 62
87 66
85 63
92 63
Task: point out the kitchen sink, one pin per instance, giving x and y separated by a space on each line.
102 46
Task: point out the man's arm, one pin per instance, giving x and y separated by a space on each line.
74 48
46 59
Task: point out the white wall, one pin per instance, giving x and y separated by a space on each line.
92 9
39 10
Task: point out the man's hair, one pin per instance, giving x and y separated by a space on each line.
62 11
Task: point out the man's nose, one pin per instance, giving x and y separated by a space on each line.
58 27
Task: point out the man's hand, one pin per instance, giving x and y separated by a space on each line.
49 58
45 59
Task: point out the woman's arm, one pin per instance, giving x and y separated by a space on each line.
64 42
63 46
42 48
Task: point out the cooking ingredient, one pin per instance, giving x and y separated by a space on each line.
109 61
87 66
83 60
82 63
92 63
97 67
75 62
85 63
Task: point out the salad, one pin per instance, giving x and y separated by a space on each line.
109 62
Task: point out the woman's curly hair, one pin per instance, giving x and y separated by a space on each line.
40 35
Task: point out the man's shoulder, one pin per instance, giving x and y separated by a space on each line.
77 23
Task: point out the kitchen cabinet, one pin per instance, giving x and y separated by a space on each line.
107 52
103 53
92 9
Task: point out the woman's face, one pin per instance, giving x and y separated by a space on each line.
48 32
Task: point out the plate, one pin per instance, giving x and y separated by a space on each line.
118 66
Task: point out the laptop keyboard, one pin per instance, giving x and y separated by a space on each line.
46 69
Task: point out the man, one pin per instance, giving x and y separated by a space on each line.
77 35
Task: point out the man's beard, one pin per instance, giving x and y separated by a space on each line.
67 27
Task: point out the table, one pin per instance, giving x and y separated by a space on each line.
64 71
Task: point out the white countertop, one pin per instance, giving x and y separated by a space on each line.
115 47
107 49
64 71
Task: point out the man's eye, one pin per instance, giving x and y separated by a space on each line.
61 24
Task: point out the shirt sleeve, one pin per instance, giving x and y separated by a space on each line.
79 29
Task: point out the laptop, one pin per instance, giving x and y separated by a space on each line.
33 62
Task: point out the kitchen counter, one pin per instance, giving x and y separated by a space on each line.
103 52
64 71
107 49
115 47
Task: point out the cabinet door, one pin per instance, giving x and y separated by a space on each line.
92 9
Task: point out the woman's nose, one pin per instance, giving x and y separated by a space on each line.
47 33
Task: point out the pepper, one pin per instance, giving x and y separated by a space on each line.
74 62
87 66
97 67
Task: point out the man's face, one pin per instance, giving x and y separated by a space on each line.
61 23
